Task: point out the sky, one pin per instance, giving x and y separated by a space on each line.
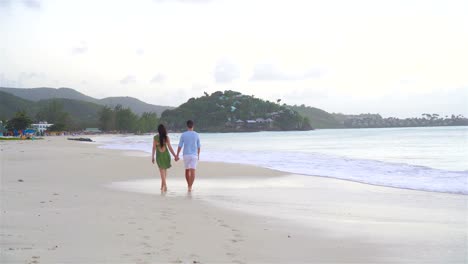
394 57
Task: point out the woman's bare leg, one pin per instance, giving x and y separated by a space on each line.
165 184
163 179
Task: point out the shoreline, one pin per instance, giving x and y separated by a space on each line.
141 153
354 222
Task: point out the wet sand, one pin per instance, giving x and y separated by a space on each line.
56 207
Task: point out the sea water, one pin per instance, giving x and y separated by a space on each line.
428 159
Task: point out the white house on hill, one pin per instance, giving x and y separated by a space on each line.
41 127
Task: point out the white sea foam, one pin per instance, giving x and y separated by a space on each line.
359 170
366 156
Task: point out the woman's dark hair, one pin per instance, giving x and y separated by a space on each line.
162 134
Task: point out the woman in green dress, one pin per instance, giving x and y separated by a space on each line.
161 144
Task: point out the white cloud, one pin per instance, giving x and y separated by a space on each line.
81 48
129 79
349 56
158 78
269 72
140 52
226 71
34 4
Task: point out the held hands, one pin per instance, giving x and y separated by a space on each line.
176 158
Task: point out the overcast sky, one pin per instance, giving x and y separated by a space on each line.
397 58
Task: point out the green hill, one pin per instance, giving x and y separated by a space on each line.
317 117
10 104
82 114
218 112
232 111
44 93
136 105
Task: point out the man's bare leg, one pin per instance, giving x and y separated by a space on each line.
191 179
187 176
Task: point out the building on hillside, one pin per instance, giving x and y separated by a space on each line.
41 127
251 123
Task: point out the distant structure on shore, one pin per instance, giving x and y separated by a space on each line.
376 121
41 127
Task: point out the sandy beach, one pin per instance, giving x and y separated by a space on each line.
57 207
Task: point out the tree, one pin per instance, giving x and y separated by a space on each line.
53 113
57 127
125 119
107 119
19 122
147 122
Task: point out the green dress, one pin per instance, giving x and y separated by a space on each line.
163 159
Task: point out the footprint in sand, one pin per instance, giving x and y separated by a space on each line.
146 245
35 260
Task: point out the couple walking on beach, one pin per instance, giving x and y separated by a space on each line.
189 142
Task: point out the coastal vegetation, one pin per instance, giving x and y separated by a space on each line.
227 111
317 117
123 120
377 121
230 111
19 122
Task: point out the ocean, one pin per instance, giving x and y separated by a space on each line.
427 158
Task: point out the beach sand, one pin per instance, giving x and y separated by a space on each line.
56 207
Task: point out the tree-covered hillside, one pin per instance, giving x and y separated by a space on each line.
134 104
81 114
10 104
233 111
44 93
75 115
317 117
